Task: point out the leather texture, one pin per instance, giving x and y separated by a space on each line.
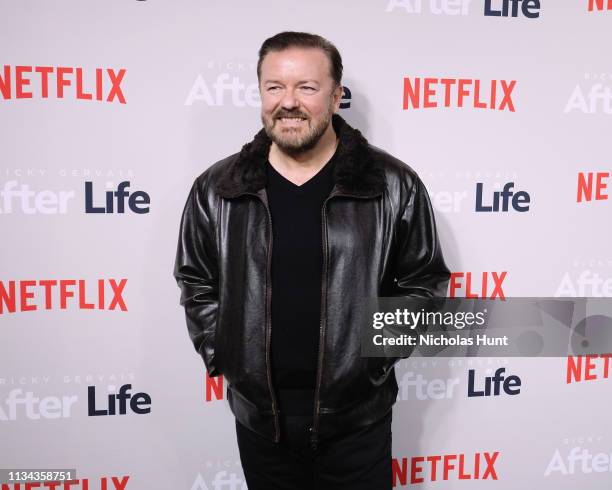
379 239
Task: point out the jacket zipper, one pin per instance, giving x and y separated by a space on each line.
314 431
268 321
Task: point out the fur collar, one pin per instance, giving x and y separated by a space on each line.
357 172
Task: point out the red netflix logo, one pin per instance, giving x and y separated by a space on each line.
102 483
419 469
589 181
15 83
585 368
488 286
214 388
54 294
600 5
458 92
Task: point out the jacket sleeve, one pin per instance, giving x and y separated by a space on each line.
196 272
420 270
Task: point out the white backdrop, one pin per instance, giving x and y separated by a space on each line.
153 92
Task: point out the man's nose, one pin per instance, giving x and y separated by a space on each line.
289 100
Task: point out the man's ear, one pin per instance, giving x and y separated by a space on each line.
338 97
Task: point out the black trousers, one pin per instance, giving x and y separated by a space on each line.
359 460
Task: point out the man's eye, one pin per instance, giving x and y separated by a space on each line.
308 89
273 89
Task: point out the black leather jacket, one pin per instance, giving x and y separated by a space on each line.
379 239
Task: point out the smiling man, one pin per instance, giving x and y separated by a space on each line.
279 246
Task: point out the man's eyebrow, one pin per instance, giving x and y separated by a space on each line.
299 83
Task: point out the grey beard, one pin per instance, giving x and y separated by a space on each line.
297 147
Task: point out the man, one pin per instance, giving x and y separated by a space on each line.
279 244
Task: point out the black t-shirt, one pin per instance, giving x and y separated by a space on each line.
297 265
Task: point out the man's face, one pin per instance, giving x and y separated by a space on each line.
298 97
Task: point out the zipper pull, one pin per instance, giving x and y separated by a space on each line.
314 440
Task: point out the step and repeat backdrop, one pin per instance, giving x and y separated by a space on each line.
110 109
